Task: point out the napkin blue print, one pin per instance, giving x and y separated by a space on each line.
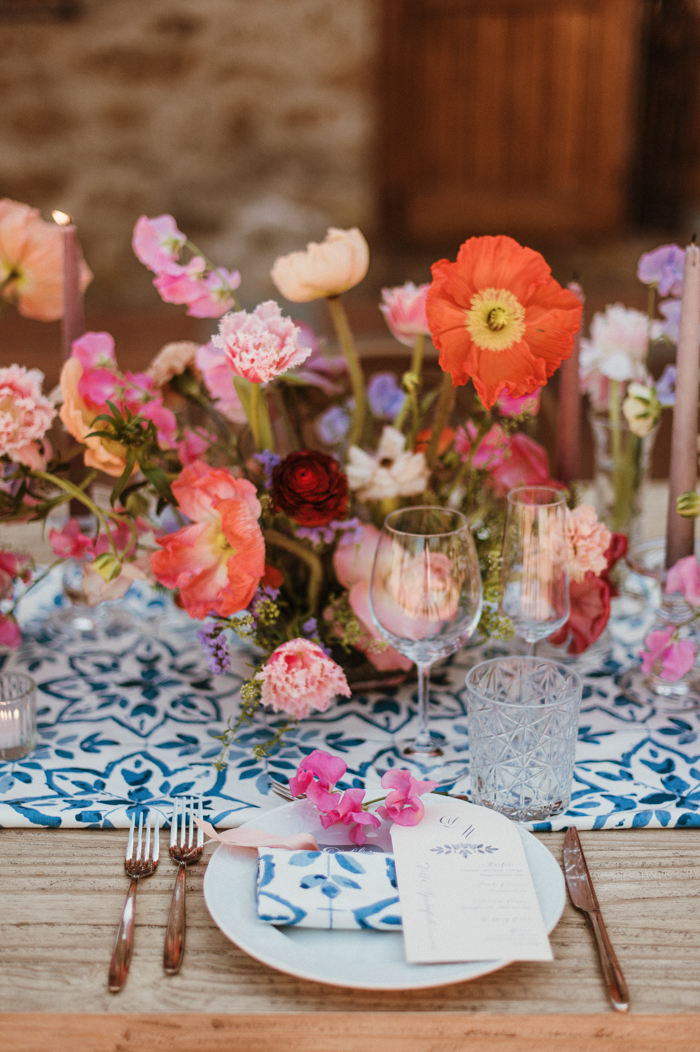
129 723
328 889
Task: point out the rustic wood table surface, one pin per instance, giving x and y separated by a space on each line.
61 895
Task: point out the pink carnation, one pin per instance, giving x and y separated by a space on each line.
299 677
25 415
403 804
404 311
157 242
218 377
587 542
261 345
675 659
684 577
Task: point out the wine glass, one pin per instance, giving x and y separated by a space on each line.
425 598
534 576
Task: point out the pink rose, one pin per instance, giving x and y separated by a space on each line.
218 377
404 312
403 804
353 560
25 415
70 542
299 677
587 542
218 560
675 658
261 345
684 577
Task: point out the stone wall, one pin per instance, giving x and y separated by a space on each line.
249 120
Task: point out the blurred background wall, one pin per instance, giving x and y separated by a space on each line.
573 125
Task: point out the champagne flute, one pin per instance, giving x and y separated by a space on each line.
534 576
425 597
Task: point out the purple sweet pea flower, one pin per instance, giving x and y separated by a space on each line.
385 396
666 386
664 268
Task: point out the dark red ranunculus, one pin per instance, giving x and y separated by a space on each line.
310 487
589 613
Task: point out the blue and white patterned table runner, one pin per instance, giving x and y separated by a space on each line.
131 722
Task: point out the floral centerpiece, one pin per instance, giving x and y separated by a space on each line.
250 475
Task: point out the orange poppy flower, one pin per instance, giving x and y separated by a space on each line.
423 440
497 316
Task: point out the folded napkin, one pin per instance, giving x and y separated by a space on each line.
328 889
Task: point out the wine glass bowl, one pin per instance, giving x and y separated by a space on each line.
425 594
534 576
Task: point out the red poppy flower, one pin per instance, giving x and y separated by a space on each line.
497 316
310 487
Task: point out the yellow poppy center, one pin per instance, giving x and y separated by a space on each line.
495 319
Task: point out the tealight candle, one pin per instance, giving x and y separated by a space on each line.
73 320
17 716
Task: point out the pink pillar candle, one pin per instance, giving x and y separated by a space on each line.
73 320
680 532
569 411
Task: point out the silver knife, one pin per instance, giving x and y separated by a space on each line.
583 896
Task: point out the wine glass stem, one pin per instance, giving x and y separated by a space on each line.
423 739
532 648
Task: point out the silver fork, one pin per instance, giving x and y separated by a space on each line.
184 854
141 862
281 789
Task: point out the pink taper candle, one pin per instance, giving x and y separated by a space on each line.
680 532
73 320
569 413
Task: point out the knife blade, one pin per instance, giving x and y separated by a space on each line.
583 896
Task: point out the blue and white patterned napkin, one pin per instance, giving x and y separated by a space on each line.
328 889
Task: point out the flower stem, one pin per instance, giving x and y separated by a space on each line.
75 491
417 359
442 415
281 540
260 420
278 395
357 380
651 310
212 266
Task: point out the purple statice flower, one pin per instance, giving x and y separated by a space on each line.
666 386
385 397
326 534
333 425
269 461
310 627
216 650
664 268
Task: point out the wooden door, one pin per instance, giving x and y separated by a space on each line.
508 116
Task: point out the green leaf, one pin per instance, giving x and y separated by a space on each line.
124 477
159 481
116 413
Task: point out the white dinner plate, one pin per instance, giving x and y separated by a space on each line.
365 960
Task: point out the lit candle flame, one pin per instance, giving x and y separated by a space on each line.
62 218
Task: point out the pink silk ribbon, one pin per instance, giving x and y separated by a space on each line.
255 838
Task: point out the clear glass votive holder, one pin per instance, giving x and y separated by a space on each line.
522 717
17 716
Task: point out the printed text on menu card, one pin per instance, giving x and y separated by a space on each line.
465 887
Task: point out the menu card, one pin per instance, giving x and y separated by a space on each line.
465 887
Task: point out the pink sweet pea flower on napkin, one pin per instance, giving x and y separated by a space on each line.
676 658
403 804
684 577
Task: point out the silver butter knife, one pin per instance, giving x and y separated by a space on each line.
583 896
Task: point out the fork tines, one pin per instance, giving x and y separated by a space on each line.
183 814
148 840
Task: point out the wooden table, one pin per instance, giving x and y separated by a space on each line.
61 895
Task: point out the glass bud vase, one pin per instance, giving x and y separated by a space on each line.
621 469
656 686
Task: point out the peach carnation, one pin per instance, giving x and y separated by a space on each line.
102 453
172 360
25 415
587 542
260 345
31 262
299 677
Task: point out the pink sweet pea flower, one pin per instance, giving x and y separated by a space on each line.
260 345
299 677
95 350
218 377
163 418
319 768
70 542
10 635
207 295
509 406
664 268
96 387
12 565
684 577
404 312
193 444
404 805
218 560
157 242
348 810
675 658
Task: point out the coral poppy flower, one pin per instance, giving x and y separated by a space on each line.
497 316
218 560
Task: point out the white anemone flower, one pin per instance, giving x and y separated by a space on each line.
616 350
391 472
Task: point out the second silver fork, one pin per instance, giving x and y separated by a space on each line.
184 852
